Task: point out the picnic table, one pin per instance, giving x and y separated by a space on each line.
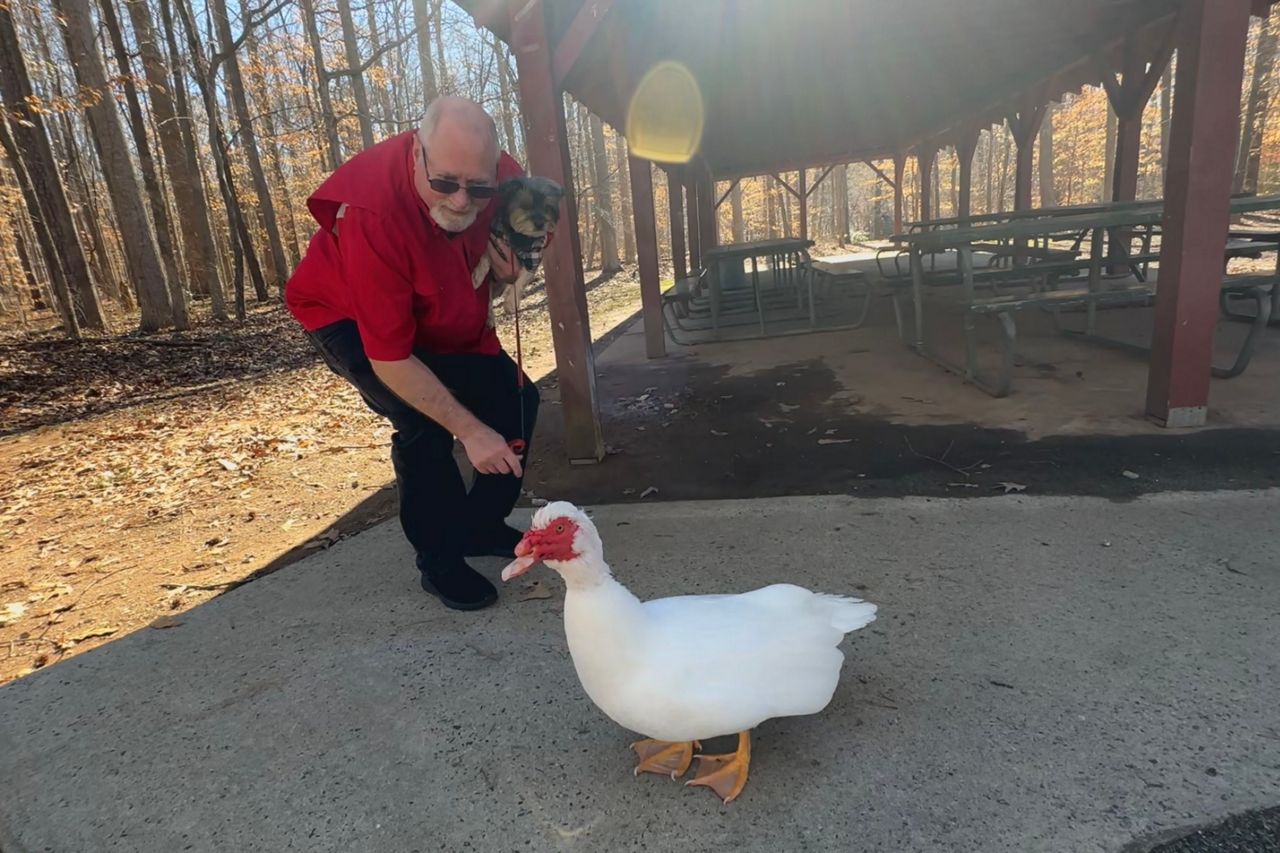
1038 281
773 285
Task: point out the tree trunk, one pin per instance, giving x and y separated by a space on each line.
437 30
354 73
46 200
1253 129
1006 143
771 208
609 262
735 204
277 265
262 95
380 91
422 23
31 193
178 143
841 202
241 242
1166 116
624 181
327 115
989 161
505 88
1113 127
150 175
141 252
1048 197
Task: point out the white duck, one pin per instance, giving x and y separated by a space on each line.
684 669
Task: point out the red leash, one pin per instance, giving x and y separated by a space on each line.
518 445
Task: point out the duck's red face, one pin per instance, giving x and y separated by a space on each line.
551 541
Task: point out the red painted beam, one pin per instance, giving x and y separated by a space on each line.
1212 37
655 341
675 213
548 154
583 26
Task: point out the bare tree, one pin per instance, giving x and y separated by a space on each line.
1254 127
199 252
355 73
624 181
327 114
139 242
150 174
31 157
609 262
228 48
422 25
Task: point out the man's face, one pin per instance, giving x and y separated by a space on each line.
461 158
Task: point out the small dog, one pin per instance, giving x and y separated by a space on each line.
530 210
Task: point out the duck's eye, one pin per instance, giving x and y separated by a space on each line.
559 528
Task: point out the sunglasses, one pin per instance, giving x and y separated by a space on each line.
446 186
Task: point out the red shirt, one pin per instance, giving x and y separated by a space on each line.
403 279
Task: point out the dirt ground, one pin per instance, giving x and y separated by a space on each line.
141 476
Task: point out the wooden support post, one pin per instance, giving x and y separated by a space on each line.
966 146
926 153
708 235
694 232
548 154
1025 126
803 196
655 342
675 212
1129 96
899 166
1212 35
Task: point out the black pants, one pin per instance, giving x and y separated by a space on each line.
437 512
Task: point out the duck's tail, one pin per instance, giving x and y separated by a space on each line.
848 614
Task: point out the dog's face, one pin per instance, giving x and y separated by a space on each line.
532 204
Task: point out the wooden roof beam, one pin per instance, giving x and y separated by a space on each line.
585 24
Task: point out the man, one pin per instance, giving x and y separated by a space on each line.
385 293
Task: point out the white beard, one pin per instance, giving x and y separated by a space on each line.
453 222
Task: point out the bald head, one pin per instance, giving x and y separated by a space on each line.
459 144
459 121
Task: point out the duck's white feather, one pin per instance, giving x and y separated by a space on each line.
694 667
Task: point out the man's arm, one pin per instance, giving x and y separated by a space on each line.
412 381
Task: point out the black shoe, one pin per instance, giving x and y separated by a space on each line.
458 587
497 540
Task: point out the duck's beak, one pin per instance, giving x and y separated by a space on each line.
526 558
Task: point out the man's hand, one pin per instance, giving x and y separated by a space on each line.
503 263
489 452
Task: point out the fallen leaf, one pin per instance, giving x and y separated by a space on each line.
228 464
13 611
1010 487
534 591
102 631
165 622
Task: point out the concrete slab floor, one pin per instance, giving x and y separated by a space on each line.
1047 674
